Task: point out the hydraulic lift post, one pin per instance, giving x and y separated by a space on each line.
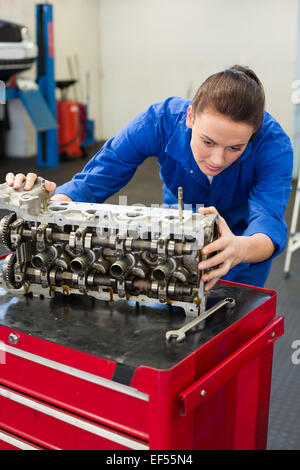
47 156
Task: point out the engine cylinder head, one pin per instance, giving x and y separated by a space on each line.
80 263
163 271
5 223
120 267
45 257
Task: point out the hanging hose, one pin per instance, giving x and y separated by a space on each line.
65 144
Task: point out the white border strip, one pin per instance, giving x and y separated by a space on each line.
72 420
78 373
15 442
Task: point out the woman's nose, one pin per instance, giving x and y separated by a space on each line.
217 156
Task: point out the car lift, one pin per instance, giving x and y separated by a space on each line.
47 140
39 98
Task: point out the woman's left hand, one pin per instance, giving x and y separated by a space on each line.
228 248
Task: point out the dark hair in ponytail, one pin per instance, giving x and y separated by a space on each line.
235 92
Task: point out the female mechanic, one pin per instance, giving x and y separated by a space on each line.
224 150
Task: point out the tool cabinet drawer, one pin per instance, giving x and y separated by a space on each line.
10 442
75 389
92 379
55 429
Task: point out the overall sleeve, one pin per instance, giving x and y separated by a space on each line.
270 194
115 164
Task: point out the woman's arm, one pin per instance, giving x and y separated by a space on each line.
115 164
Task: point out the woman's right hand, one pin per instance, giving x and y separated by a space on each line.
16 182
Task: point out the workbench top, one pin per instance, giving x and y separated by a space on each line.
119 331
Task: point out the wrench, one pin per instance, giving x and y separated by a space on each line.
179 334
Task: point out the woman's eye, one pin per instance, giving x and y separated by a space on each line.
235 149
208 143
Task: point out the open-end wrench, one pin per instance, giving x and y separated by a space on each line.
179 334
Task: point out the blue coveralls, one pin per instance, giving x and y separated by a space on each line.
251 194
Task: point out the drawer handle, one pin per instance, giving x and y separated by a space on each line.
194 395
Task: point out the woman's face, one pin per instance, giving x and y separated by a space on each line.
216 141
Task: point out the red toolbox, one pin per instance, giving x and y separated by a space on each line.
76 373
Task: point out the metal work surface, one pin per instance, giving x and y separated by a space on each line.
120 331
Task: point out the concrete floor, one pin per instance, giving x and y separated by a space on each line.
146 188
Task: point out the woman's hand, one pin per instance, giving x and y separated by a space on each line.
16 181
232 250
229 250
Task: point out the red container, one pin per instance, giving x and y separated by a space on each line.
217 397
69 128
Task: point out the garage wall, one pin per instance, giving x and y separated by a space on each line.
11 10
142 51
152 49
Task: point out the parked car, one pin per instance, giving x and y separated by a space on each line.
17 51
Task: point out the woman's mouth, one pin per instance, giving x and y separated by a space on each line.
213 168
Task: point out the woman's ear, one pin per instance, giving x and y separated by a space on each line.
189 117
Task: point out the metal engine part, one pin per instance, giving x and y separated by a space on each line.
110 252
